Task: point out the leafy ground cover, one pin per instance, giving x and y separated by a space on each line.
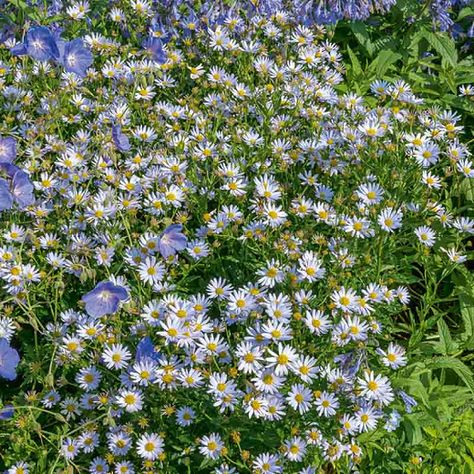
236 239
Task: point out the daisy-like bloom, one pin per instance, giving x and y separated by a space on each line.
317 322
367 418
358 227
267 381
267 463
394 357
432 181
151 271
426 154
88 378
299 398
19 468
281 360
274 215
240 301
143 372
256 406
150 446
185 416
454 255
218 288
249 357
305 367
344 300
390 219
376 388
211 446
370 193
310 267
295 449
130 400
326 404
426 235
116 356
349 424
271 274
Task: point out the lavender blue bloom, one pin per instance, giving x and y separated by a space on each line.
409 401
9 360
120 139
146 350
76 57
22 189
7 149
104 299
7 412
39 44
6 198
172 240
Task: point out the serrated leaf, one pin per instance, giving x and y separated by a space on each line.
443 45
384 60
446 344
465 12
467 313
461 369
360 32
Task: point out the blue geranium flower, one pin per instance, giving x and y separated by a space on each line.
7 149
104 299
120 139
22 189
146 350
39 44
9 360
76 57
6 198
155 47
7 412
172 240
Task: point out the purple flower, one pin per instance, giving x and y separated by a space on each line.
104 299
146 350
172 240
7 149
6 412
9 360
120 139
6 198
409 401
39 44
155 47
22 189
76 57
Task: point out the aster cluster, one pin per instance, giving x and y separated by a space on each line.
207 235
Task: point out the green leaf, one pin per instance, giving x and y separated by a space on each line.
461 369
384 60
360 32
412 429
467 313
443 45
446 345
464 12
356 67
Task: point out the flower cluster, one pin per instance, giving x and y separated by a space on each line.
206 236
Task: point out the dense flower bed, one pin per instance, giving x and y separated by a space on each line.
205 243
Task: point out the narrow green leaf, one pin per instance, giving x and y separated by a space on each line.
356 67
